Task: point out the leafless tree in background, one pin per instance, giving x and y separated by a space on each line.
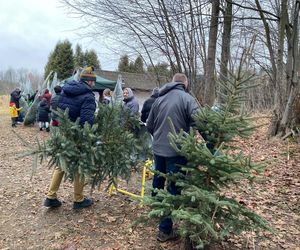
284 58
185 34
210 86
12 78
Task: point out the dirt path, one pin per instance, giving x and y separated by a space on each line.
26 224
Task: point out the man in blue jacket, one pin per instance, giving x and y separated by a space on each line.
175 103
79 98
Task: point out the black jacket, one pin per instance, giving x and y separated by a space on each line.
15 97
43 111
54 105
147 107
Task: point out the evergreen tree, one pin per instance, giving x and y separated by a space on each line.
139 65
204 211
131 68
91 59
79 57
61 60
105 151
50 64
160 69
124 64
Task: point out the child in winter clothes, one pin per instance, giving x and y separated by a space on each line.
43 115
13 110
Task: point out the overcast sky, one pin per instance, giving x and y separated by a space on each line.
30 29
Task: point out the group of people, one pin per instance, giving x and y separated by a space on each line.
46 104
171 101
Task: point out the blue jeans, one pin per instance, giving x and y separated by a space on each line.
166 165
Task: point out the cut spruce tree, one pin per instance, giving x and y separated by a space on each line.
203 212
105 151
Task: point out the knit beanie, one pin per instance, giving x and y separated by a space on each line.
87 74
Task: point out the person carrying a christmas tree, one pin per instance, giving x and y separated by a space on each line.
175 104
13 110
79 99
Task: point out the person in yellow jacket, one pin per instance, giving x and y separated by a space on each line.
13 110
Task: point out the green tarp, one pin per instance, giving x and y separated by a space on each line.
101 83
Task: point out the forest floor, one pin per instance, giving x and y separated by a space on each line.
26 224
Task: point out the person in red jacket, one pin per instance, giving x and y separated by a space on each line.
47 96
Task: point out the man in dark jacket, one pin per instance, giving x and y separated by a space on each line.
79 98
54 105
148 104
174 103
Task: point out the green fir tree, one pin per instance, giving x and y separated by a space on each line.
203 211
91 59
61 60
79 60
139 65
124 64
160 69
105 151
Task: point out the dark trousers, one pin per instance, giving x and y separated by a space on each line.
166 165
14 121
20 118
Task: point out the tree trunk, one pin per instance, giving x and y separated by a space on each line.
209 91
225 54
280 81
292 78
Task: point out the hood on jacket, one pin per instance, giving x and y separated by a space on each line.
44 102
16 91
155 92
130 94
169 86
74 88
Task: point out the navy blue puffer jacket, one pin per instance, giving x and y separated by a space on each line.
79 98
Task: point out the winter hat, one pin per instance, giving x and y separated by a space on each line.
87 74
11 104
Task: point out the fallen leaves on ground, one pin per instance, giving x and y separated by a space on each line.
26 224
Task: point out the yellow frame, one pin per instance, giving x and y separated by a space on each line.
146 167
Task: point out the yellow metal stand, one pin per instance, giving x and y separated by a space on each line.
146 170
